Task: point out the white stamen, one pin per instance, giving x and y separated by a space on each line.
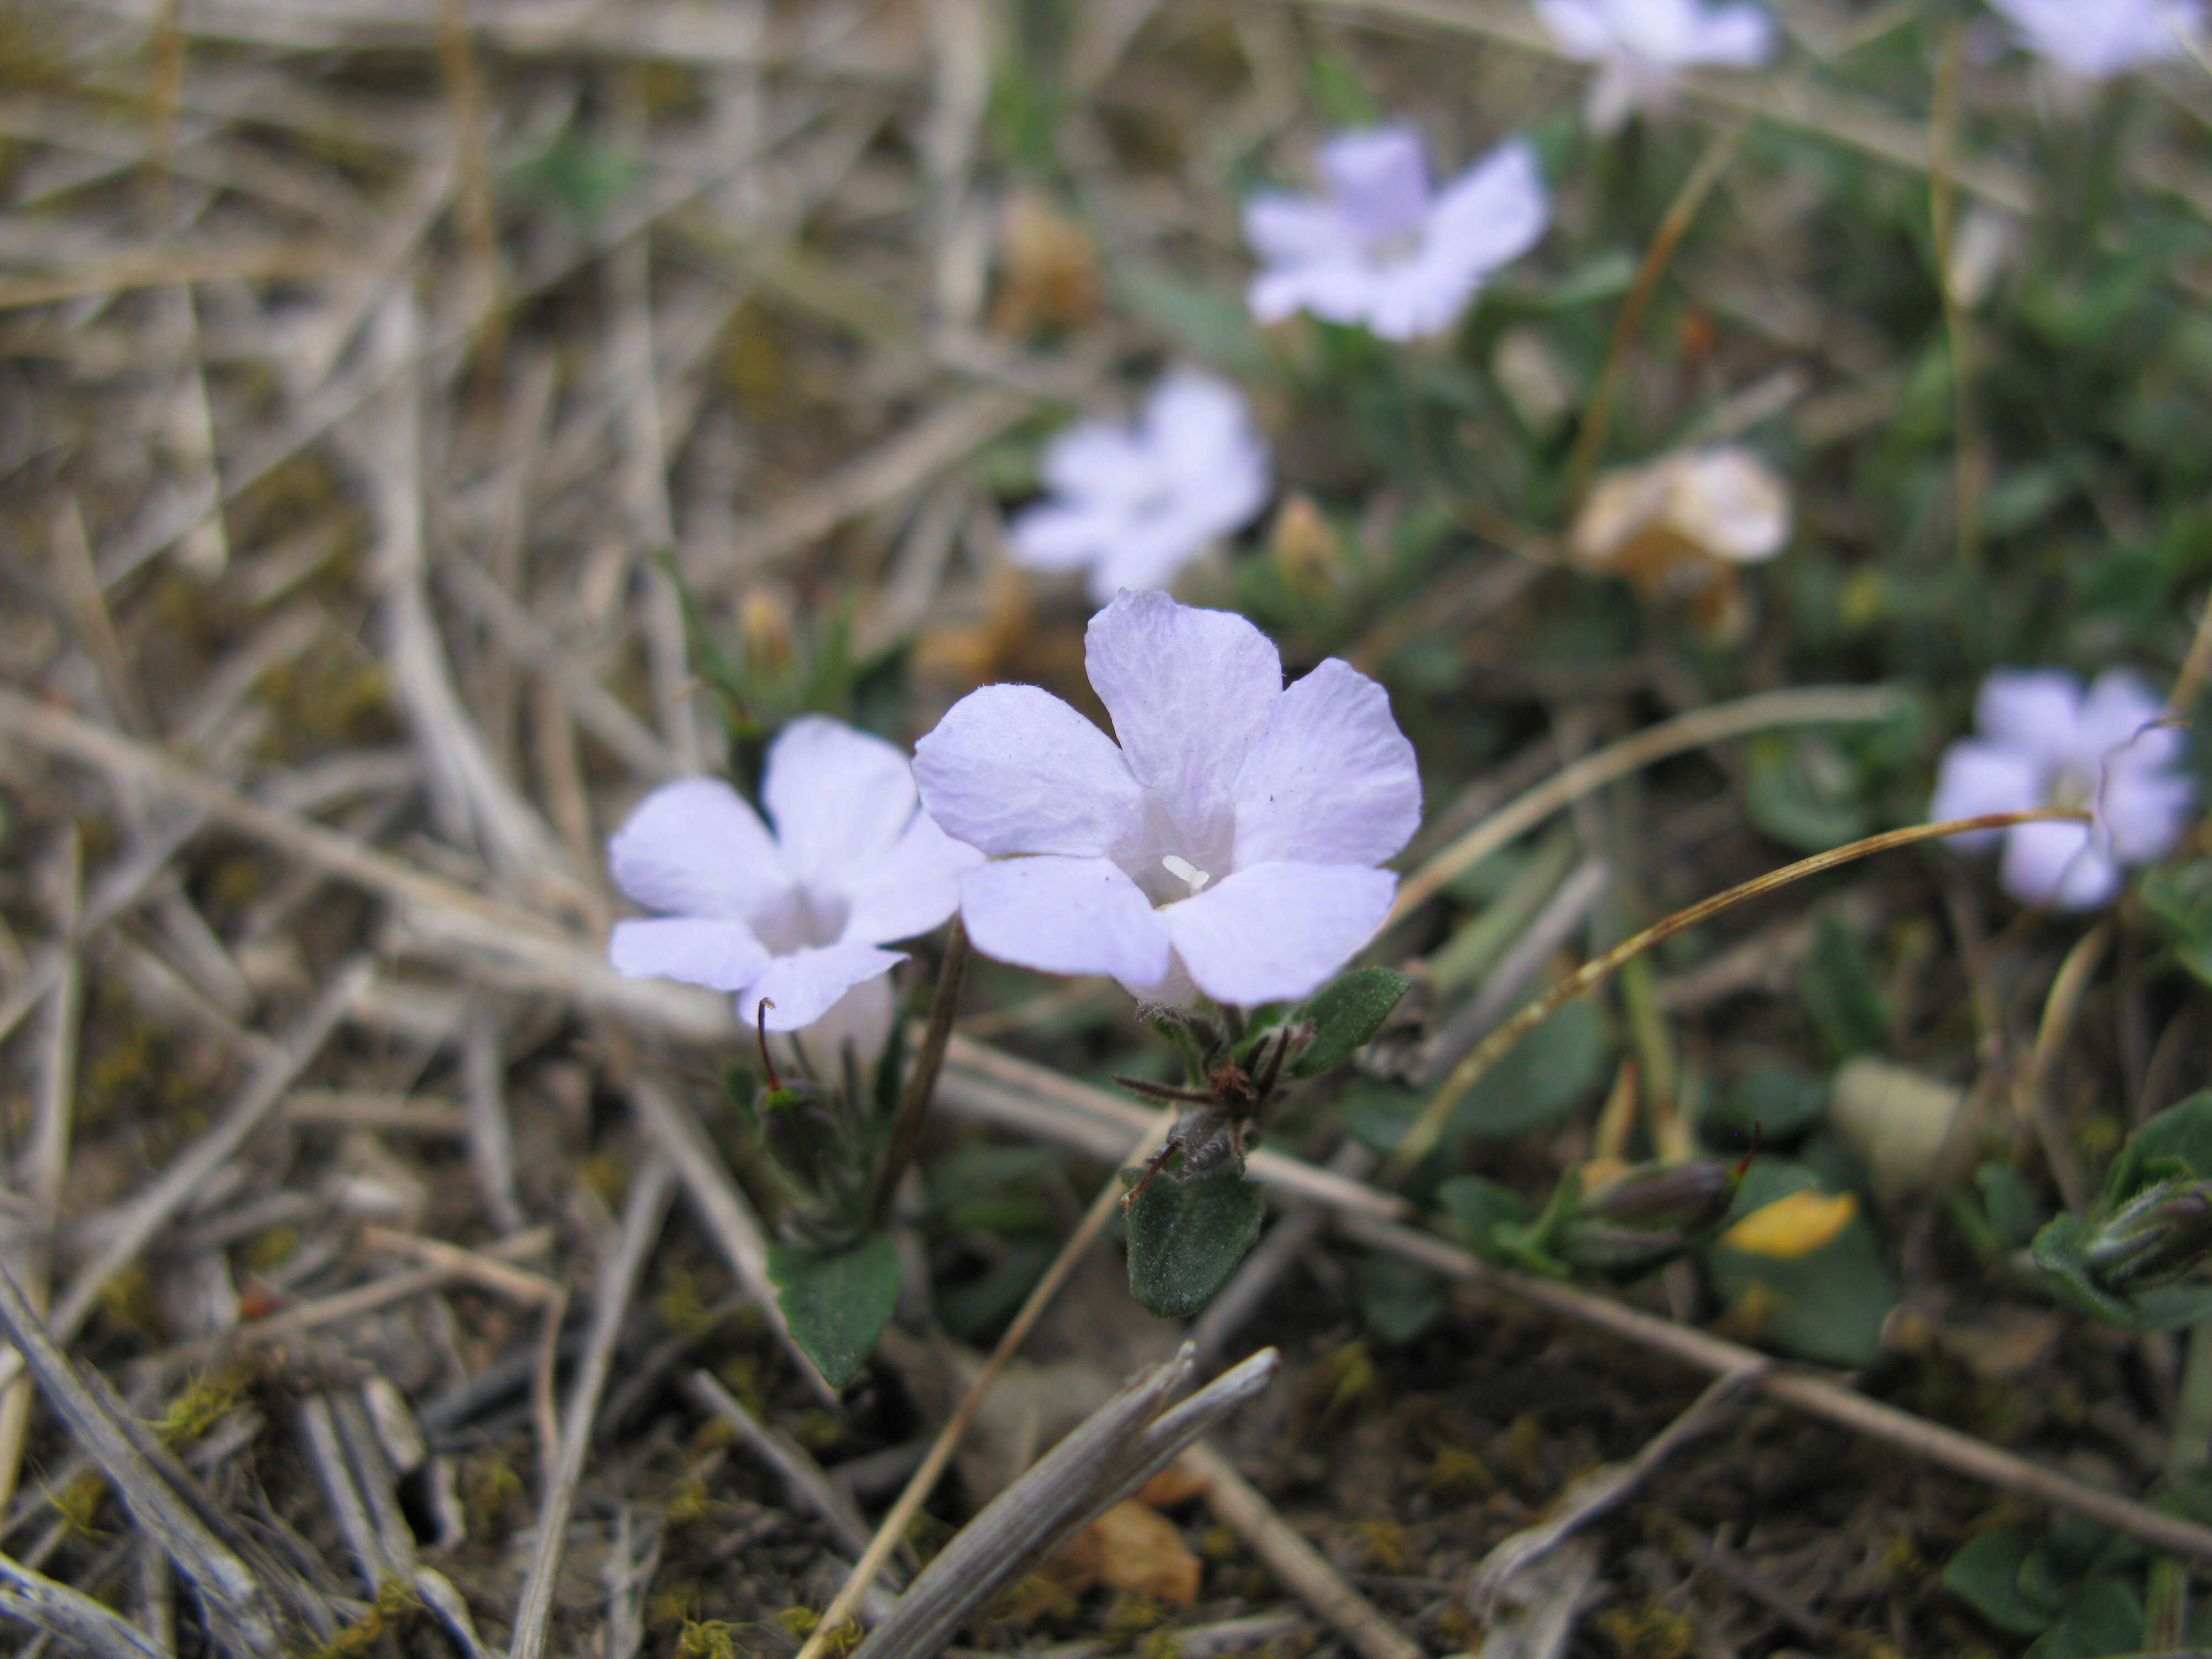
1185 873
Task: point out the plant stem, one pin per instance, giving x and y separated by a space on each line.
2188 1450
1430 1124
921 1080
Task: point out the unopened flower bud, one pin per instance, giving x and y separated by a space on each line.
1645 1217
2154 1238
764 625
1303 544
800 1122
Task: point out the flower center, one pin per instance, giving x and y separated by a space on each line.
2073 791
800 919
1185 873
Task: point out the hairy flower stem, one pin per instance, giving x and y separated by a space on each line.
921 1080
1429 1126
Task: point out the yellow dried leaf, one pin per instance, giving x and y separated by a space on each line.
1792 1226
1141 1554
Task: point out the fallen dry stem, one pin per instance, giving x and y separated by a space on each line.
1813 706
1430 1124
1816 1396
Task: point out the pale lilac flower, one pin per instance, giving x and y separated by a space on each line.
1227 844
1379 246
799 917
1132 504
1641 47
2043 742
2098 39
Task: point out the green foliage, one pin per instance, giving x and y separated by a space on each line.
2074 1611
580 175
836 1301
1827 1305
1398 1299
1346 1013
1840 993
1186 1236
2125 1261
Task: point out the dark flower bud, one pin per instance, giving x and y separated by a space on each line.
1645 1217
2154 1238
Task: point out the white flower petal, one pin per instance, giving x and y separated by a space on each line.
838 798
1332 780
1189 691
1190 418
1338 290
1283 228
2055 863
1055 536
1065 916
722 956
862 1017
2119 725
911 888
805 985
1011 768
1578 26
1278 930
1976 777
1491 213
2035 711
2143 814
1741 36
693 847
1378 178
1098 461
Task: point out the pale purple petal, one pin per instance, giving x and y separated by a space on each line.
1053 536
1190 691
1192 420
2143 814
1065 916
1278 930
861 1018
1332 780
1011 768
911 888
722 956
2033 710
2105 37
838 798
1740 36
805 985
1099 461
1977 778
2054 863
693 847
1377 178
1339 290
2120 725
1491 213
1578 26
1283 228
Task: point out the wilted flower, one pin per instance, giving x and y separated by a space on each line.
1226 843
1379 246
1679 524
798 917
1131 504
2098 39
2043 743
1641 47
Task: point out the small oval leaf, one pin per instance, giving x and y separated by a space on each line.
1186 1237
1346 1013
837 1302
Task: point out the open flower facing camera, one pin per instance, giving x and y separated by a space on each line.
798 919
1226 845
2044 742
2097 40
1642 47
1381 246
1132 505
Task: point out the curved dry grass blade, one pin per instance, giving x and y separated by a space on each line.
70 1617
